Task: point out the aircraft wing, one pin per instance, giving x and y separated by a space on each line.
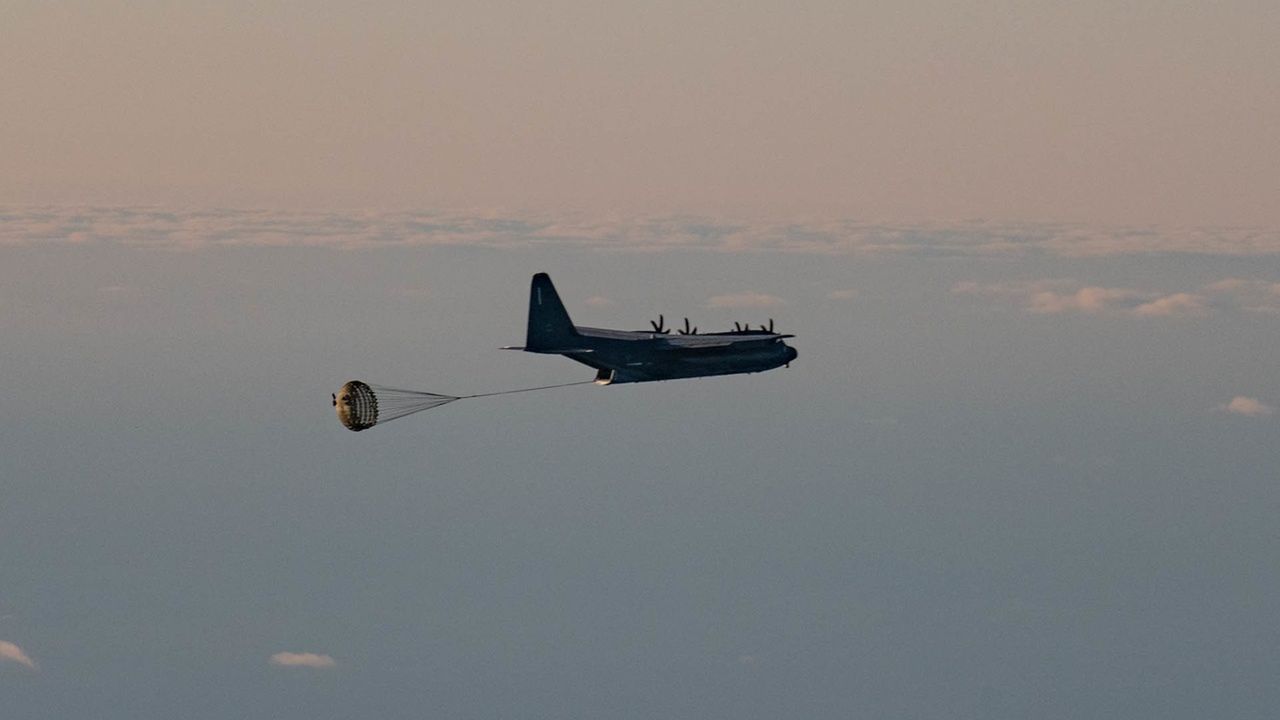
713 341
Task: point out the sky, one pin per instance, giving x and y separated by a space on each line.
1024 465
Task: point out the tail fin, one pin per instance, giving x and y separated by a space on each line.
549 325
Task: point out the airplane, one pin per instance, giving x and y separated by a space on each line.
631 356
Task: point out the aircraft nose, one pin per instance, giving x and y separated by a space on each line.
791 354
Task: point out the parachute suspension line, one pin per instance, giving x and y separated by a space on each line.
395 403
361 406
525 390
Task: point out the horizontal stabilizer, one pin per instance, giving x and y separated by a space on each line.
548 351
558 351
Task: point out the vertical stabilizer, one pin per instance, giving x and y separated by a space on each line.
549 325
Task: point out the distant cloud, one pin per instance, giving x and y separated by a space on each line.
745 300
13 653
598 301
194 229
1090 300
1184 304
309 660
846 294
1106 242
1016 290
1247 406
1057 296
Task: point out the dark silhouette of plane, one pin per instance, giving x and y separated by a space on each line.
626 356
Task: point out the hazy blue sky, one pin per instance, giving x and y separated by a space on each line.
1024 467
1003 479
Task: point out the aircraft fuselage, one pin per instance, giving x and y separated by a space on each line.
625 356
646 357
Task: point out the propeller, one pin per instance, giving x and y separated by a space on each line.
660 325
737 327
768 329
686 330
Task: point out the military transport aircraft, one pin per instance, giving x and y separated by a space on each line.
627 356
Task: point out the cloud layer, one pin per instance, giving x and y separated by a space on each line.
306 659
1061 296
191 229
13 653
1057 296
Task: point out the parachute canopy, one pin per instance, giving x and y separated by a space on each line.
361 406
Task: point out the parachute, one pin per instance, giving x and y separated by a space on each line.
361 405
